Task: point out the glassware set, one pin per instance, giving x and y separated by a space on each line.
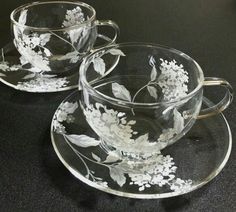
135 107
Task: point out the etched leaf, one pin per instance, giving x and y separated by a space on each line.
152 91
116 52
153 75
74 57
34 69
178 121
119 91
29 76
99 65
47 52
82 140
152 61
76 34
23 61
117 175
22 18
50 76
167 111
98 159
142 140
112 157
44 38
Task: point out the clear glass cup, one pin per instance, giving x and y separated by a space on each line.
148 100
54 36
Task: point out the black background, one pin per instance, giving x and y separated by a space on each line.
31 176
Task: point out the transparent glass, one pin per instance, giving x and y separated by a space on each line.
187 165
149 99
54 36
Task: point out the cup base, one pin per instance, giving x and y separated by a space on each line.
136 161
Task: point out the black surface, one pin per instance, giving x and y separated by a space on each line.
31 176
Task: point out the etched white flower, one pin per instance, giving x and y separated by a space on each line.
102 183
58 127
74 17
69 107
42 84
64 114
162 173
32 46
110 123
173 80
181 185
4 66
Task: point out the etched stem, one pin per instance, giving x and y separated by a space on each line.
3 59
64 40
149 83
139 91
77 153
93 161
42 47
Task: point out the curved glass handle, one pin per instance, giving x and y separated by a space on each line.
224 103
108 23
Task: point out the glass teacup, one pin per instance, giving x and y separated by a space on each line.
53 36
149 100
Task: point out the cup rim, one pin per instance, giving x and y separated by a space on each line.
28 5
114 100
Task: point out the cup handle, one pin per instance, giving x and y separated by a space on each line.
108 23
223 104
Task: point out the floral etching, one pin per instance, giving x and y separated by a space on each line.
161 173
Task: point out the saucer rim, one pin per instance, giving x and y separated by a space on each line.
142 196
38 91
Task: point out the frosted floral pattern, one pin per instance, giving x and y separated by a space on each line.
32 46
6 67
42 84
34 81
64 114
115 127
36 47
114 124
98 62
74 17
172 80
161 173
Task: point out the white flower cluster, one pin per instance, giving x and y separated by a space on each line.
33 48
113 126
73 17
41 83
5 66
64 114
173 80
110 123
162 173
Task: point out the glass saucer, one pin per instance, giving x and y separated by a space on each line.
180 168
21 77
